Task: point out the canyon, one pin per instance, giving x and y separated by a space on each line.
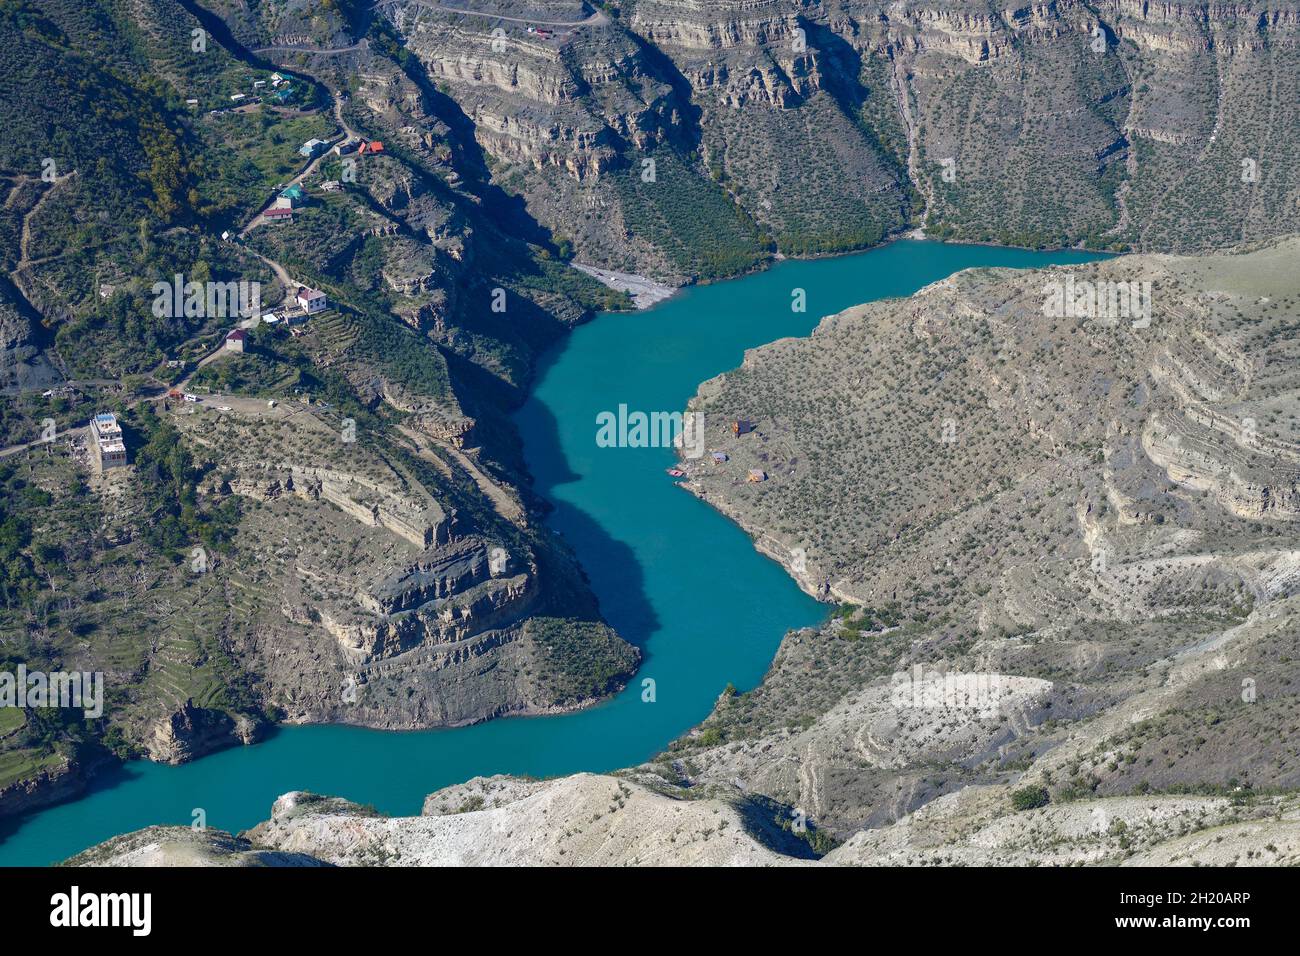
1060 506
1077 657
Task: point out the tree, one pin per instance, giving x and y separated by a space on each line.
1030 798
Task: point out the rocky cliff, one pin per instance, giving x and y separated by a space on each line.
1062 542
62 778
827 125
191 732
389 594
590 820
1063 537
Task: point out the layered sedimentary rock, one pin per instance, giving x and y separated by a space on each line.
828 125
384 596
569 101
1074 527
191 732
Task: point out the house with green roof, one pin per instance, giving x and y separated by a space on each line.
292 196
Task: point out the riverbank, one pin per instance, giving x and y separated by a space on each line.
645 292
674 576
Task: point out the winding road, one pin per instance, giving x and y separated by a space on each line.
362 44
597 19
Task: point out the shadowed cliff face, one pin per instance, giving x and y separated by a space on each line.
1058 508
829 124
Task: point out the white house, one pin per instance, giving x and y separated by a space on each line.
311 301
108 445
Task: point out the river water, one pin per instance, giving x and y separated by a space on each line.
671 574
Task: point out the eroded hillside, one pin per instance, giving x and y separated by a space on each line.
1064 544
819 126
335 524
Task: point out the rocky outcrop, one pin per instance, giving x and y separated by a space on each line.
420 521
536 101
583 820
23 365
452 596
457 432
49 785
387 594
595 820
185 846
191 732
1251 482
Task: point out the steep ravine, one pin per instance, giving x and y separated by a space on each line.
1082 616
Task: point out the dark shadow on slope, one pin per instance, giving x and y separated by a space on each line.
842 75
510 211
25 363
666 71
221 32
635 618
775 826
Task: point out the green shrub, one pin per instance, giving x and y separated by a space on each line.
1030 798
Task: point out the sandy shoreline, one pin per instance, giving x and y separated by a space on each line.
644 292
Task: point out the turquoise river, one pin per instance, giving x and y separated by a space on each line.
672 575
